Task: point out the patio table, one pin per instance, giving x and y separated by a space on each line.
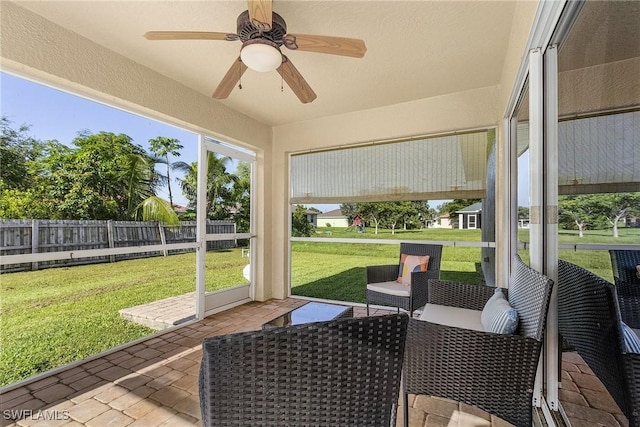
310 312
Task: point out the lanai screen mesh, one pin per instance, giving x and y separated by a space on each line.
430 168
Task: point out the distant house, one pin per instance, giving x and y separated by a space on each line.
179 208
176 207
632 221
443 221
334 218
312 217
470 217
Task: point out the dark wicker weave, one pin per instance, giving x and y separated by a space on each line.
491 371
387 273
344 372
630 310
589 319
623 263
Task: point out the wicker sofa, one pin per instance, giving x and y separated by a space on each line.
344 372
589 319
494 372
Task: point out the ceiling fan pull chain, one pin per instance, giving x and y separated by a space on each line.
240 78
281 83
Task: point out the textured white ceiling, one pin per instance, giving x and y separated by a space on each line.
415 49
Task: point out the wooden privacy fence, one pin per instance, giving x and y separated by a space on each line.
38 236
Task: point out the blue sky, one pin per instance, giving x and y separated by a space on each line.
54 114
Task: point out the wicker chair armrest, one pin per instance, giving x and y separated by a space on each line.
631 368
382 273
630 310
463 295
462 365
420 286
626 288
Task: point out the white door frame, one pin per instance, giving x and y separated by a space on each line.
211 302
539 69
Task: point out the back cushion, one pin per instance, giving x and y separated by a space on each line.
527 294
410 264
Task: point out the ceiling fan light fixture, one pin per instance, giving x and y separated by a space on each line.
261 57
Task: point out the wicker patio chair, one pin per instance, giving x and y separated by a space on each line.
494 372
625 274
589 319
382 280
343 372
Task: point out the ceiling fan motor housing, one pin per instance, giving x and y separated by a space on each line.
247 31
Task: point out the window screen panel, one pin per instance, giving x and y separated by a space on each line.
599 154
430 168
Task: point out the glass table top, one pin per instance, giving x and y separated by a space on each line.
308 313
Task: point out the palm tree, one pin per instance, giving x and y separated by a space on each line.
162 146
140 179
142 183
219 183
155 209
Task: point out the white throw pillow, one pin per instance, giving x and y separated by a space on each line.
498 316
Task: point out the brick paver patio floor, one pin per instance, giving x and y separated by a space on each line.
155 383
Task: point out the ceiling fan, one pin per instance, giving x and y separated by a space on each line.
263 33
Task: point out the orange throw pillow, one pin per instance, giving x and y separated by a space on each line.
409 264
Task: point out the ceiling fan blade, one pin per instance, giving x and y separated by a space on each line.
296 82
326 44
188 35
230 79
261 13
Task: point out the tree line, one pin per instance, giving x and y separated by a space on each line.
391 215
597 211
107 176
576 212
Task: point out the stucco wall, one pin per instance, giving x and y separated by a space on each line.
483 107
333 222
458 111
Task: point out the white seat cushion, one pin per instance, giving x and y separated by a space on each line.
452 316
391 288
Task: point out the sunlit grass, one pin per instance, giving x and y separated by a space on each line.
337 270
55 316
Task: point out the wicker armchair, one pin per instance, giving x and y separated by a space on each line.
344 372
491 371
589 319
625 275
382 286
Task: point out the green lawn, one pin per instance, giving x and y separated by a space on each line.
458 263
52 317
337 270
